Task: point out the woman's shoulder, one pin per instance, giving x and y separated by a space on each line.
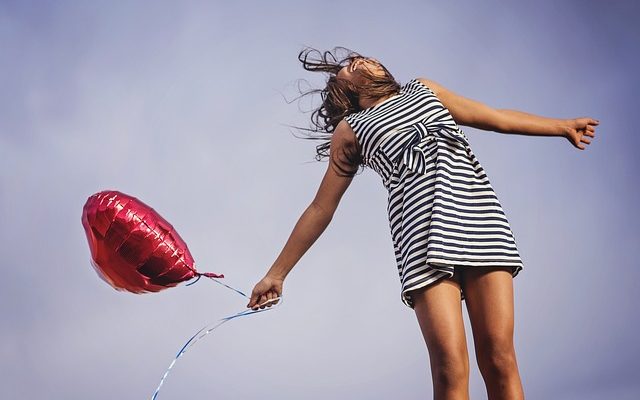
421 83
431 85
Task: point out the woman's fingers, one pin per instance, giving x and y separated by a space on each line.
584 129
252 300
576 138
263 298
255 299
273 296
270 296
256 304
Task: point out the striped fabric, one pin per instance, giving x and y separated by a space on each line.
443 211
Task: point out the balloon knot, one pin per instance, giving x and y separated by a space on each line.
212 275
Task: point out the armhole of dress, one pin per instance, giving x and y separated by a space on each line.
352 126
348 120
355 132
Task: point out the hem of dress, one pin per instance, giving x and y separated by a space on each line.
434 263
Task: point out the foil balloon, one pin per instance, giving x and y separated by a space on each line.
133 248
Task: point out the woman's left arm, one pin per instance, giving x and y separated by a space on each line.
479 115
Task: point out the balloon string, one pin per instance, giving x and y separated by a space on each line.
208 329
224 284
217 281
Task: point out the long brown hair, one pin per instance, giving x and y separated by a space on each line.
340 98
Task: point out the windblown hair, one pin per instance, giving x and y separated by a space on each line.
340 98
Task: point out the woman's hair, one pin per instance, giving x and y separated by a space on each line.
340 97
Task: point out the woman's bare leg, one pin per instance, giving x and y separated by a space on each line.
439 311
488 293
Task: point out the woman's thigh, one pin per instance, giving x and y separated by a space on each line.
439 311
488 293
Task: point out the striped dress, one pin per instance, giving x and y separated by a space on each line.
443 211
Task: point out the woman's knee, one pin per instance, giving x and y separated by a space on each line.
450 367
496 356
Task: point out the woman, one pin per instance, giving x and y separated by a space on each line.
451 238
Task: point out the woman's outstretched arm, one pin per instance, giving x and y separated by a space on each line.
311 224
473 113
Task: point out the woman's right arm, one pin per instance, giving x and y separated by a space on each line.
311 224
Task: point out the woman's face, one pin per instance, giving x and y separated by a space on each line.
352 73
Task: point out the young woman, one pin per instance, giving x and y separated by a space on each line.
451 238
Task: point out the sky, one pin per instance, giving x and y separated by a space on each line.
185 105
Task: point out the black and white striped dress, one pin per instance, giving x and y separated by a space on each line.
443 211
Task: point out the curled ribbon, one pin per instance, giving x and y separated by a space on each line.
209 328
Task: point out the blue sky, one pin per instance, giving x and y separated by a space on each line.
181 105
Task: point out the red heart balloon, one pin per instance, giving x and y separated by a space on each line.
132 247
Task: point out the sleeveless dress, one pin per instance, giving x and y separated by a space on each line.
442 209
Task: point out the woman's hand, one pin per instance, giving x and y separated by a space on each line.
268 288
578 131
